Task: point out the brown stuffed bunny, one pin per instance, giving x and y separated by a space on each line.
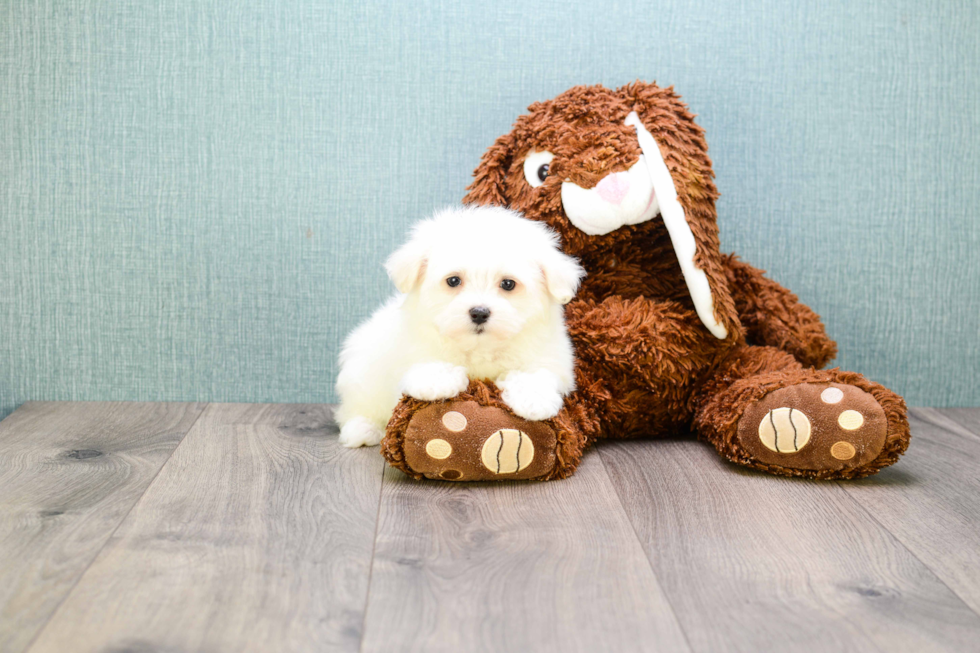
670 335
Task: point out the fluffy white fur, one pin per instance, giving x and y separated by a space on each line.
424 342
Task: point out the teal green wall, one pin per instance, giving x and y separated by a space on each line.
196 197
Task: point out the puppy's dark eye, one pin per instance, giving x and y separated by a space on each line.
452 282
510 284
543 172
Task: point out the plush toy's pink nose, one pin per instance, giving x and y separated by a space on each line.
613 188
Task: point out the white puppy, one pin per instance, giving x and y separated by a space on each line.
481 298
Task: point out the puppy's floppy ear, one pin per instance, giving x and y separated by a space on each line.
407 265
562 274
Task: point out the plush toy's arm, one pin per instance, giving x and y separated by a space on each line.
774 316
639 338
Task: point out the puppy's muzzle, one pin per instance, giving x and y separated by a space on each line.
479 314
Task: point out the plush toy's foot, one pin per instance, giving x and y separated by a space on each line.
464 441
764 410
475 437
828 427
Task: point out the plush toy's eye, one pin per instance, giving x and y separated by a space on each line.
452 282
508 284
536 167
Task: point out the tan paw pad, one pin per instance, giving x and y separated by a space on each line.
438 449
784 430
832 395
843 450
507 451
850 420
454 421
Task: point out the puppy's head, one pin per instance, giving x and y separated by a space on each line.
610 170
480 275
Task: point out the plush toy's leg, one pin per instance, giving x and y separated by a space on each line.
475 437
762 409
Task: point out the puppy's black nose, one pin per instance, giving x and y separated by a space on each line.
479 314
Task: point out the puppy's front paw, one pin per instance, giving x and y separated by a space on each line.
434 381
360 432
531 395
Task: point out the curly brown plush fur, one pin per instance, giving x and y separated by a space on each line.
647 366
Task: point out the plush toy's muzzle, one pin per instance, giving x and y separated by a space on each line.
620 198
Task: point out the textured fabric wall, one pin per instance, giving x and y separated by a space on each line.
196 197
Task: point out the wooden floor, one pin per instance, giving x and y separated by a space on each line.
221 527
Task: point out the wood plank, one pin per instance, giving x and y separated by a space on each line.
256 536
931 500
752 562
512 567
969 418
69 474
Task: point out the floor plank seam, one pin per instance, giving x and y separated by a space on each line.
969 428
902 544
639 543
374 547
98 553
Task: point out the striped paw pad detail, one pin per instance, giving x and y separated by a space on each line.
507 451
784 430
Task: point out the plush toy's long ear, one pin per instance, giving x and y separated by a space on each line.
562 275
680 170
407 265
490 176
